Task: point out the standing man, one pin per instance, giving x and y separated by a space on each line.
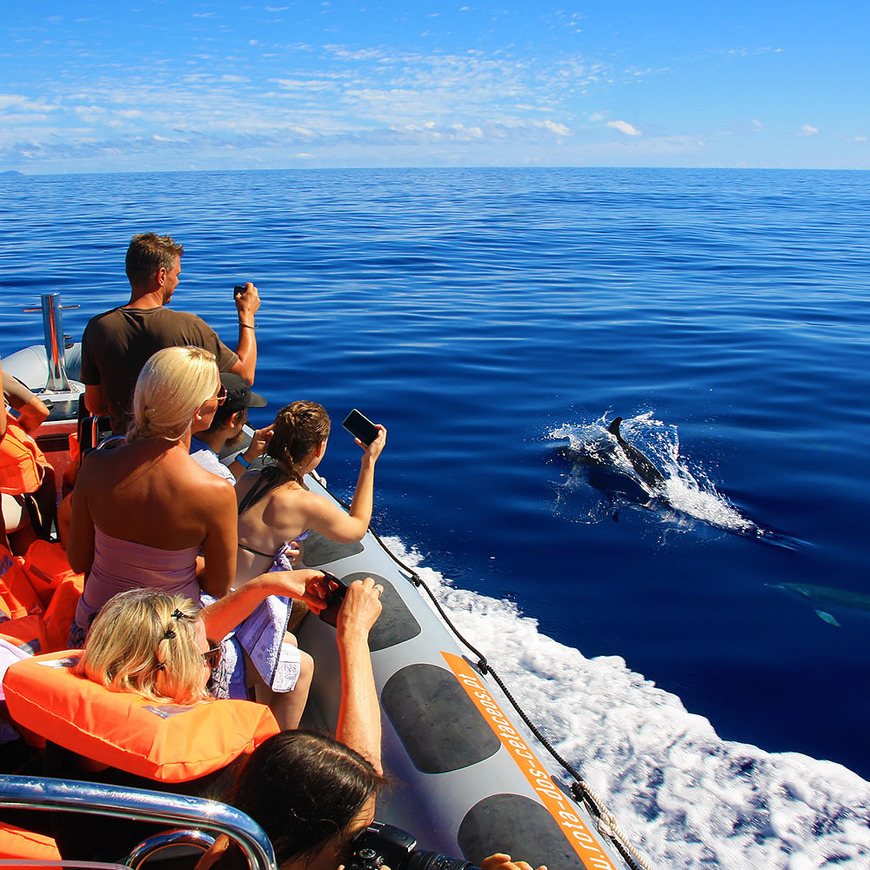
117 344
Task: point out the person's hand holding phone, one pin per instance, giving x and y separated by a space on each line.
370 436
373 451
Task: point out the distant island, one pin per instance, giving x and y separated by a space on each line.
11 172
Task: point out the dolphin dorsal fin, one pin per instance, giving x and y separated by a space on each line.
613 428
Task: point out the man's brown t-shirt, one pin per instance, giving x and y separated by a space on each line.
117 344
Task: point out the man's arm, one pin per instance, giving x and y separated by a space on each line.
359 714
247 304
259 441
95 402
31 409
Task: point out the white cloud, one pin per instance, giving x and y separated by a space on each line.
745 51
302 85
553 127
624 127
757 124
17 103
91 114
807 130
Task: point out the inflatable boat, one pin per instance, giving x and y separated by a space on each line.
465 768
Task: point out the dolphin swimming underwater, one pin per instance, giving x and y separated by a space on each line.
647 472
824 599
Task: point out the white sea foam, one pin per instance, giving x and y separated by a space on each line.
686 798
687 492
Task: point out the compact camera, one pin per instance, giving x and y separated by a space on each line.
381 844
333 602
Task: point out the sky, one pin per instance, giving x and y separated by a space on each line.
154 85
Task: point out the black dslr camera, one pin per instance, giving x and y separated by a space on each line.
382 844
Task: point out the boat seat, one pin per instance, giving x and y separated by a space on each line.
93 431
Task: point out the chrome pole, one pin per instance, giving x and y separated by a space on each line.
52 325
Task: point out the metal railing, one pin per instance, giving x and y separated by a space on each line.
42 793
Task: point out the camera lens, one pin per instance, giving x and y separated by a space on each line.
434 861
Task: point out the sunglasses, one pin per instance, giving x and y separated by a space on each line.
221 395
212 656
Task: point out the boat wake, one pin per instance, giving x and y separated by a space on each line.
688 799
679 494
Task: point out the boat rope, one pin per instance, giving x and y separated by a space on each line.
582 792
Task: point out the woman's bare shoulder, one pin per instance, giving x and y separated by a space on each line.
316 505
103 467
299 499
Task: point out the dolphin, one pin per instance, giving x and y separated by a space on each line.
824 599
646 471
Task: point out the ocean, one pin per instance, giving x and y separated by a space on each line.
698 648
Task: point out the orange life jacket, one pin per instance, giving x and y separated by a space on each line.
17 596
18 843
46 566
27 633
21 460
58 587
163 742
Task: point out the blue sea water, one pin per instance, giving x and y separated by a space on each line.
496 321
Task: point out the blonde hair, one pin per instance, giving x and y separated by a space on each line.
144 641
171 387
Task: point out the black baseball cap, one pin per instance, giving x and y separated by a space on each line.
239 394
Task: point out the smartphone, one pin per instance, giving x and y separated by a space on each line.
238 289
330 613
361 427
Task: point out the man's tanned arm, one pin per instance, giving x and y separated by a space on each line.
247 304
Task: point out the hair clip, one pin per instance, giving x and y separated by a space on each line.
159 666
178 614
168 634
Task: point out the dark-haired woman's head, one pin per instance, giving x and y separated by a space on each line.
309 793
300 430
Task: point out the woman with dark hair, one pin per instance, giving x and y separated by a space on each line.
276 507
311 794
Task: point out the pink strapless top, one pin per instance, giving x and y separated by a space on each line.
120 565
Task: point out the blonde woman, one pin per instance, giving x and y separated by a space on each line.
143 512
151 644
164 648
148 644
